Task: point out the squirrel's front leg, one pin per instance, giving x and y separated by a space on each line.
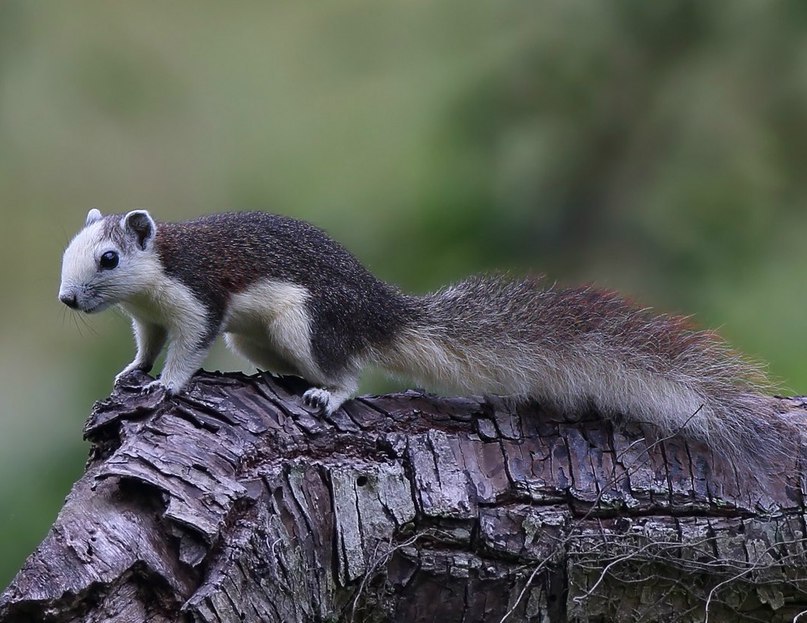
150 339
185 356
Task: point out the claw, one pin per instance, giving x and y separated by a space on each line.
159 385
317 399
129 370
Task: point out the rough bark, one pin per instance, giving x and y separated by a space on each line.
233 503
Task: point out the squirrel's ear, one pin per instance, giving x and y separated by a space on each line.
93 216
140 225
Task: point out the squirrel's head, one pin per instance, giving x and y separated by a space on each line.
108 261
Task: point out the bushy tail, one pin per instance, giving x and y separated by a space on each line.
582 347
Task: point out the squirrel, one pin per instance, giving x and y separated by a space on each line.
290 299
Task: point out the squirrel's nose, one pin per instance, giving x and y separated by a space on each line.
69 300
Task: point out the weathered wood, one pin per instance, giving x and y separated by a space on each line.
233 503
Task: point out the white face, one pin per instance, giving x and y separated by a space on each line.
99 270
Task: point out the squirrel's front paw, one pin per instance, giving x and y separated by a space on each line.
132 367
159 385
120 376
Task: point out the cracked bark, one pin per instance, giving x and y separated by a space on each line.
232 503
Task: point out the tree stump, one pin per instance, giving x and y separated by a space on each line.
231 503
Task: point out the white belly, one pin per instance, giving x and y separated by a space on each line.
270 324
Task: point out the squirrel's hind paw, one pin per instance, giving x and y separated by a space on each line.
318 400
322 401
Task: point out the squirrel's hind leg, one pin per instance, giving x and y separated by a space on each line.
327 395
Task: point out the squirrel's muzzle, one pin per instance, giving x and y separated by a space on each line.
69 299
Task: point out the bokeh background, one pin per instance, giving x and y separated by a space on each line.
653 147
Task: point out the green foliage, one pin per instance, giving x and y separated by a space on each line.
653 147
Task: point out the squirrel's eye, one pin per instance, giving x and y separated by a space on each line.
109 260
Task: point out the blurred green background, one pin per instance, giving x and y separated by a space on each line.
653 147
